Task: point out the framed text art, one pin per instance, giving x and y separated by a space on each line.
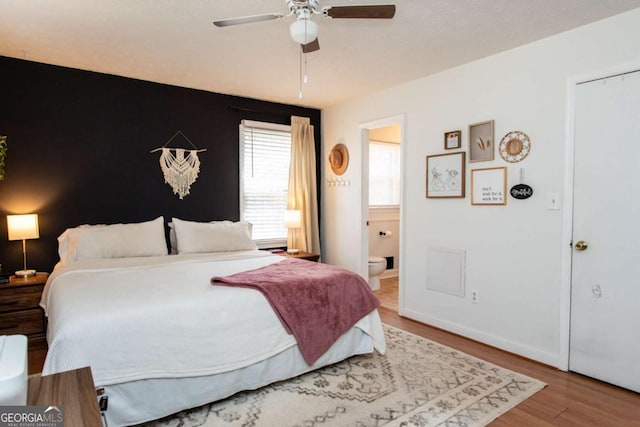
489 186
481 143
445 175
452 139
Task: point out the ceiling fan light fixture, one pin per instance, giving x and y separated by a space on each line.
303 31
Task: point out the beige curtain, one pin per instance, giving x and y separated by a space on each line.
302 187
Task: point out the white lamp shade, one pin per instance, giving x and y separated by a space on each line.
292 219
22 227
303 31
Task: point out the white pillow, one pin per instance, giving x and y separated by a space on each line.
219 236
173 240
113 241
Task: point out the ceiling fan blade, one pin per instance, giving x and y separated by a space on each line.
310 47
384 11
247 19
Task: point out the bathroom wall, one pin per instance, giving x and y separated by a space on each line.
382 219
385 219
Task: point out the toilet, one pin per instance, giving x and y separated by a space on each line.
377 266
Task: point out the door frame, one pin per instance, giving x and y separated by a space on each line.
567 215
364 202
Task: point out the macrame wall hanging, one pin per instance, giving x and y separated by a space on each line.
180 167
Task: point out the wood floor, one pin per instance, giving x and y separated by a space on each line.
388 293
569 399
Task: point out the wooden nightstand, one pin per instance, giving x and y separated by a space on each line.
302 255
20 312
73 390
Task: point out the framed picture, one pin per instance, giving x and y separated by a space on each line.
489 186
445 175
452 139
481 142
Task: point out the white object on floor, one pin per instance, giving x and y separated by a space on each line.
377 266
13 370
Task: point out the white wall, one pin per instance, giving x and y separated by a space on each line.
513 251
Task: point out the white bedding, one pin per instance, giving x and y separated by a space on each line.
159 317
145 400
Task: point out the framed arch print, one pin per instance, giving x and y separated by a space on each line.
481 142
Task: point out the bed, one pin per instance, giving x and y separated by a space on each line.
157 335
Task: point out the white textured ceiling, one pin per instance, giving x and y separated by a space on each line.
174 41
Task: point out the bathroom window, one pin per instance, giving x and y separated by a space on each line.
384 174
265 153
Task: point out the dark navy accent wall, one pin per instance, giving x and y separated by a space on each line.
79 151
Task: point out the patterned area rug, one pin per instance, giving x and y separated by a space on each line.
416 383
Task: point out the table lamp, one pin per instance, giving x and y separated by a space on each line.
292 221
23 227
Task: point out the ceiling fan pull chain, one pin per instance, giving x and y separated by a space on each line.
305 68
300 76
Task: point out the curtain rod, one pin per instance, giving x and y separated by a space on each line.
269 113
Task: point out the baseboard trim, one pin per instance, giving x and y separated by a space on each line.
510 346
389 273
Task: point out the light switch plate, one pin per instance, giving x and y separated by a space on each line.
553 201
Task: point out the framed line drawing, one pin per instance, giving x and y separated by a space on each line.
481 142
452 139
489 186
445 175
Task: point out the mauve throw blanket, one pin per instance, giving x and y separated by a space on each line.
315 302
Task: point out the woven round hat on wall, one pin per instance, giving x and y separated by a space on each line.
339 159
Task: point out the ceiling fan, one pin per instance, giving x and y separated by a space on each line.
303 30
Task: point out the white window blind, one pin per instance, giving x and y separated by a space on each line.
265 152
384 174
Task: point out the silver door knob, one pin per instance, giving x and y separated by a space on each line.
581 245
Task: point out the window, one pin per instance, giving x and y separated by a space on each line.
265 152
384 174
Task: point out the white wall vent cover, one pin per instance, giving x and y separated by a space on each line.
446 270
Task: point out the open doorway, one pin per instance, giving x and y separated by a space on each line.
381 207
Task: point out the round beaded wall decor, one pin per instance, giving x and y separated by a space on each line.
514 146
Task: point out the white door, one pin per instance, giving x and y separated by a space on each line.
605 284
